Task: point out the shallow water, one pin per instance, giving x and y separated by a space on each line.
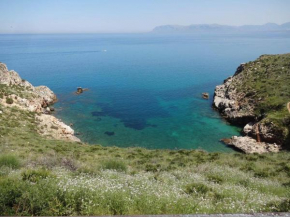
144 89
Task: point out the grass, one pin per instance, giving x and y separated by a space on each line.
9 161
42 176
114 165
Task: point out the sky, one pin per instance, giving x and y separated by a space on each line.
119 16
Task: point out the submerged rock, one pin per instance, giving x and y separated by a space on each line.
226 141
109 133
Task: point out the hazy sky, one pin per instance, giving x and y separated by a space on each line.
86 16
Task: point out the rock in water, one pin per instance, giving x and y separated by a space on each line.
226 141
205 95
79 90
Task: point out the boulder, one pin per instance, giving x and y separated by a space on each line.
79 90
250 145
205 95
248 128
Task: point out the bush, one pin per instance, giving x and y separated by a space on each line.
151 168
10 191
114 165
35 175
281 206
215 178
197 188
9 161
9 100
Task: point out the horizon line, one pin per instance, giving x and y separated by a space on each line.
130 32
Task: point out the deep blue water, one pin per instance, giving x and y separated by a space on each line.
144 89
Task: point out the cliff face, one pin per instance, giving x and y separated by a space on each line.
256 97
19 93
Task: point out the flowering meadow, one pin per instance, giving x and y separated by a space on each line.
40 176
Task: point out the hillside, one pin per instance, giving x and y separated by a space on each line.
256 97
47 174
215 28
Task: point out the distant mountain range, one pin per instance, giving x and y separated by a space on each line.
220 28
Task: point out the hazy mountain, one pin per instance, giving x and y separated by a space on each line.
220 28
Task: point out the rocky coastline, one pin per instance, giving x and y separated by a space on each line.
18 93
242 101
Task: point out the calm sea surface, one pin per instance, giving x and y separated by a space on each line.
144 89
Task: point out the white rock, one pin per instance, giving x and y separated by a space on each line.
248 128
250 145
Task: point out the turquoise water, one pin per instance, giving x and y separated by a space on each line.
144 89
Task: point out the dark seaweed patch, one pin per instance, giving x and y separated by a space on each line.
132 107
110 133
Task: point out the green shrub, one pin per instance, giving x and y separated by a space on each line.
35 175
10 191
281 206
215 178
9 161
264 173
197 188
119 166
9 100
151 168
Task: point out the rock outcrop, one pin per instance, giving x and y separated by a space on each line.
250 145
50 126
17 92
255 98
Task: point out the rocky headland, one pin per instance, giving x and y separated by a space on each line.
257 98
18 93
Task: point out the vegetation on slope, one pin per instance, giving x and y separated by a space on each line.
266 82
40 176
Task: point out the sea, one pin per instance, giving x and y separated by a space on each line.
144 90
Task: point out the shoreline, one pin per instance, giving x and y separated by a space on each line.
240 102
24 96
